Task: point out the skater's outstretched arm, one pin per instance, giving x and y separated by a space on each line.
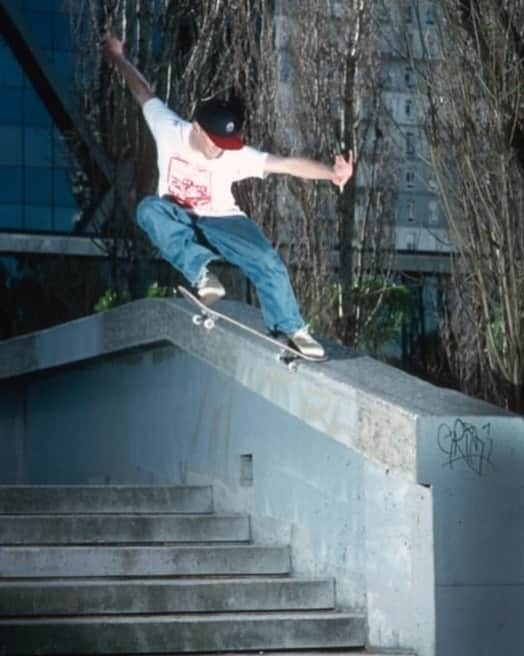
113 51
339 173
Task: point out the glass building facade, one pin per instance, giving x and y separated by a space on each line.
35 187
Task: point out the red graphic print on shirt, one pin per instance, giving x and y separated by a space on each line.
189 185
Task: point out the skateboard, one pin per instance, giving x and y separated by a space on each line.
207 317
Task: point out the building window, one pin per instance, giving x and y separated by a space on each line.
408 14
38 185
387 79
11 138
410 178
11 74
430 15
38 217
286 66
41 25
411 211
38 149
410 144
411 241
11 105
11 189
11 216
433 212
386 41
409 78
34 112
432 45
389 106
408 108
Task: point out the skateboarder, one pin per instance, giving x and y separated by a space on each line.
197 163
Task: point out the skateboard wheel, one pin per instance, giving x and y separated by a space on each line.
292 366
197 320
209 323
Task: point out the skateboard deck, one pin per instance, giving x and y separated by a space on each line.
207 317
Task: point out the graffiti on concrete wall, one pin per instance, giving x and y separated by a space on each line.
464 443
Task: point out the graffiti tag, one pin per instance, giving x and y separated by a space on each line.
463 442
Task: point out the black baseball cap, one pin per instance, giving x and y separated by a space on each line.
221 122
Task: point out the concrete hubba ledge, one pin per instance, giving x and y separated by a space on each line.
358 401
409 495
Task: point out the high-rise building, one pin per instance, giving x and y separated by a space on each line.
408 37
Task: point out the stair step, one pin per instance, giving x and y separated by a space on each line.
111 529
141 596
78 561
24 499
168 634
138 569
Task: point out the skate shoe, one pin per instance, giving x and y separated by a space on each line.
304 342
209 288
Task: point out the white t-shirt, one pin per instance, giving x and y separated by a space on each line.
201 185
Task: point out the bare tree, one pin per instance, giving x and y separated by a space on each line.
475 124
368 273
329 100
189 50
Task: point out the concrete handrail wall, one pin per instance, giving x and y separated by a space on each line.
352 398
369 473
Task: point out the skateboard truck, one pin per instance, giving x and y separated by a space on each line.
290 360
203 320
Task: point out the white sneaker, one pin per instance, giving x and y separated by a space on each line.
304 342
209 287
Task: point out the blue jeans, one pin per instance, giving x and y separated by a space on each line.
237 240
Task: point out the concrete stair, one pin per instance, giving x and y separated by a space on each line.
138 570
115 529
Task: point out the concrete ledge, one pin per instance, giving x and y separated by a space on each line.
354 399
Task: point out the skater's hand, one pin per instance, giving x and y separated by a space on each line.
111 47
343 170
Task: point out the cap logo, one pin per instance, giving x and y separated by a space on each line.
230 126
